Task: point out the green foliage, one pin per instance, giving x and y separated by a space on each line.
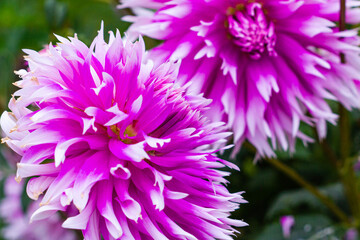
310 227
301 200
271 194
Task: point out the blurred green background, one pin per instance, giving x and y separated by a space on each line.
30 24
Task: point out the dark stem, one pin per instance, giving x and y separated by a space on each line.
308 186
342 23
346 170
327 150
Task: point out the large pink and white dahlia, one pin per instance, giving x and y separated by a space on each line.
267 64
103 130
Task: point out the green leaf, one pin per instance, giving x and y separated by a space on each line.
300 200
308 227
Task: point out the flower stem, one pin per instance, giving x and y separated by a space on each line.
342 23
327 150
346 171
305 184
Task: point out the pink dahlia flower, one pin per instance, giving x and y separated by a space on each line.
17 221
107 132
268 65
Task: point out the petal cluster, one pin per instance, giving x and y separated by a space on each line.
106 131
268 65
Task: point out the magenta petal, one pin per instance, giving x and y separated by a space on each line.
119 171
124 151
119 115
92 230
8 125
46 211
129 205
94 142
104 205
64 179
27 169
92 171
80 221
36 186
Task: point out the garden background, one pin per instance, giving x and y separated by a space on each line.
30 24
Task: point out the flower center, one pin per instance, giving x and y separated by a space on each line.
251 31
126 137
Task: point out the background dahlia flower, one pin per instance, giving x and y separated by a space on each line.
17 221
105 131
268 65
